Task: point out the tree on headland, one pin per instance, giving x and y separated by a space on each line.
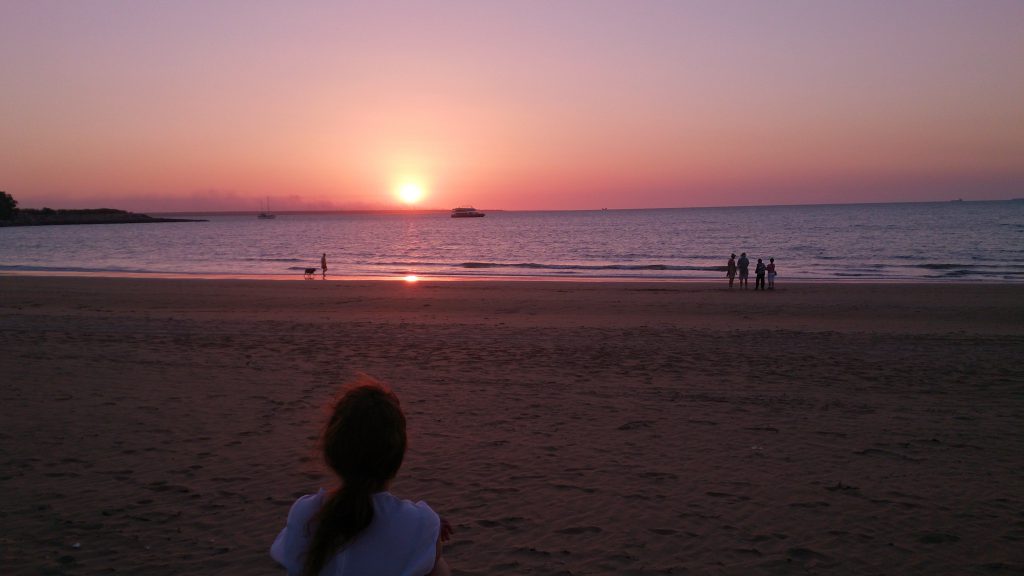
8 206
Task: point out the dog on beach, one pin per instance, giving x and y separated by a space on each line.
308 272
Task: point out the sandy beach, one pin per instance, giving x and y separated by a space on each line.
165 426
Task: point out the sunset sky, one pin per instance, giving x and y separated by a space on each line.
200 105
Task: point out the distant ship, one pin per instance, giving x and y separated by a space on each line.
467 212
266 214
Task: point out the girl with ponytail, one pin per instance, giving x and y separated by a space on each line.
361 528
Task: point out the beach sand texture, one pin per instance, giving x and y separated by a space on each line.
166 426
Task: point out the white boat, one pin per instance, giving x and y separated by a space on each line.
467 212
266 214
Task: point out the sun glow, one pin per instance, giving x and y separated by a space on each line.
410 192
411 278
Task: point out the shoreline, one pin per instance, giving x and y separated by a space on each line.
486 278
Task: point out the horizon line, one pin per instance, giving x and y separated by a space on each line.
445 211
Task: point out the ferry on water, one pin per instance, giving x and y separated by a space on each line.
467 212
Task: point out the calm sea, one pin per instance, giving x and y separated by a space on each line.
951 241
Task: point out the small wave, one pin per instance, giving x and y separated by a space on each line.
540 266
943 266
536 266
28 268
960 272
402 264
274 260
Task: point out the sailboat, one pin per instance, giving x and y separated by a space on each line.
266 214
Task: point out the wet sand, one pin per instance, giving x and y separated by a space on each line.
164 426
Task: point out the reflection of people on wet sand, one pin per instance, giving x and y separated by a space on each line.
323 265
744 266
361 528
730 269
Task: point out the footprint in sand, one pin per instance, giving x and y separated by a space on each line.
937 538
580 530
809 505
659 475
511 523
573 487
636 425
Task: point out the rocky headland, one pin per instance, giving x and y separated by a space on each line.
51 217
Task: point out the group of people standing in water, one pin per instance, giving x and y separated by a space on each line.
742 266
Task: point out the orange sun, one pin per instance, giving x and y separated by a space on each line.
410 193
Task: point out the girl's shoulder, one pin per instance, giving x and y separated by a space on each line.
291 542
390 505
306 507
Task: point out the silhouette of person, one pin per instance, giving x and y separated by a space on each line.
744 266
323 265
771 273
730 269
759 272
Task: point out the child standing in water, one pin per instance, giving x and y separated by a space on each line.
361 528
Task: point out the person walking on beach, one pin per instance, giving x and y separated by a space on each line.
730 269
360 527
771 273
744 267
759 275
323 265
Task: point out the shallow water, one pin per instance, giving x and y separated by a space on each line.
948 241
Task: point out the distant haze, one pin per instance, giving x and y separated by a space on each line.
194 105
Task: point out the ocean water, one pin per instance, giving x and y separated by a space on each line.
949 241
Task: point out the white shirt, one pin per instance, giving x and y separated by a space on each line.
401 540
